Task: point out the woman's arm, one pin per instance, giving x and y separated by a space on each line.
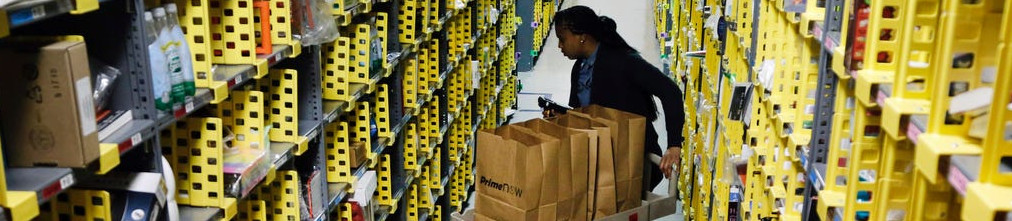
656 83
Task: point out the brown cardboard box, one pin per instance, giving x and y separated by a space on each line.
358 154
46 100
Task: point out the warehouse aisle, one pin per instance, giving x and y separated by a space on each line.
550 76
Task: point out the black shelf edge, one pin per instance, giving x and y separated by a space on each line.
45 182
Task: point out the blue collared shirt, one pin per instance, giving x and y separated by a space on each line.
586 77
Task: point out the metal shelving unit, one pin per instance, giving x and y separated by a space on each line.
123 45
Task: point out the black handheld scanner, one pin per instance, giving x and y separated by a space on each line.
551 106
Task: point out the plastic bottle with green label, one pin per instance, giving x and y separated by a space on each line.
160 83
189 88
175 63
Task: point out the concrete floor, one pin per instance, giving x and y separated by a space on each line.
550 76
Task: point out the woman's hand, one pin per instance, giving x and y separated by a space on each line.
672 159
547 113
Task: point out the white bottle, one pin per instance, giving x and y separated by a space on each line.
175 63
189 87
160 83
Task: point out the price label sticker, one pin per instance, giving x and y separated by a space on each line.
38 11
189 107
67 181
237 79
136 139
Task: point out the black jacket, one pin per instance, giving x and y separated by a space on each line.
626 82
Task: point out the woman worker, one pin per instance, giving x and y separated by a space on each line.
610 73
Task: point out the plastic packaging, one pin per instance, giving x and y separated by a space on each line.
170 47
244 170
376 56
245 167
183 47
318 24
160 82
104 76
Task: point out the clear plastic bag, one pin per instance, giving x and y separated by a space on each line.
104 76
244 167
317 24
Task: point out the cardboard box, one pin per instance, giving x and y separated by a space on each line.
48 112
135 196
358 154
364 188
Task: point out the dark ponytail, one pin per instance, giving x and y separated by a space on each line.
582 20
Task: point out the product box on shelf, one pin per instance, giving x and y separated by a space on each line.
364 189
357 154
48 112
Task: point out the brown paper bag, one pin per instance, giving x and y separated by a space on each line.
604 190
513 176
572 163
548 209
629 144
497 210
589 152
620 157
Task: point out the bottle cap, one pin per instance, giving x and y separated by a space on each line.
171 7
159 12
148 16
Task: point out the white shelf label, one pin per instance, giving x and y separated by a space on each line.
66 181
189 107
136 139
38 11
278 57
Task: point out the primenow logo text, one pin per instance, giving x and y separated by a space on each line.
509 189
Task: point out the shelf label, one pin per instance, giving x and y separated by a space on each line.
817 31
277 57
189 107
957 179
38 11
881 98
54 188
136 139
913 133
238 79
828 42
67 181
